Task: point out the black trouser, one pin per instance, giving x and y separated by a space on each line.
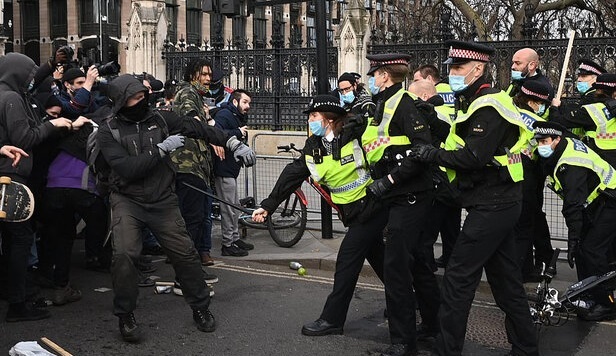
192 206
486 241
59 209
363 241
17 240
163 218
402 238
444 219
594 250
425 285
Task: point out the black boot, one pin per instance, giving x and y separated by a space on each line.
128 327
25 312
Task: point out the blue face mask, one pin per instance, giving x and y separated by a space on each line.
545 151
372 86
583 87
347 98
540 110
456 82
317 128
516 75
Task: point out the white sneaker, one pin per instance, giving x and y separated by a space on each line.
583 304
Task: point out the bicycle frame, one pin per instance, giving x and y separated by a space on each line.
322 192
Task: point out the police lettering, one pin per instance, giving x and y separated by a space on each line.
346 159
448 98
579 146
528 120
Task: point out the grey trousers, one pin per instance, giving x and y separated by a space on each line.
226 189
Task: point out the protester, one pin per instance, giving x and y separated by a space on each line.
142 194
354 96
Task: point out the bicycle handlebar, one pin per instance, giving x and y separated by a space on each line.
288 148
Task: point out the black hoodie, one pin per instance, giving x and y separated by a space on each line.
20 124
138 170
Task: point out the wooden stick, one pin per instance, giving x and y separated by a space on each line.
165 283
563 73
55 347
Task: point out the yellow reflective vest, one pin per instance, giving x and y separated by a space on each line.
605 133
504 105
444 90
529 118
376 139
578 154
346 178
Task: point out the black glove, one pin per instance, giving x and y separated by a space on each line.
241 152
171 143
423 153
573 248
380 186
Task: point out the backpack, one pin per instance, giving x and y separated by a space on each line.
96 163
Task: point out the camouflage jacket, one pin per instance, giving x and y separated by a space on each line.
195 157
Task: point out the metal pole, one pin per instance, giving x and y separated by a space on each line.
323 88
100 29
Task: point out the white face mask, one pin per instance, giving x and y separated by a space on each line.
545 151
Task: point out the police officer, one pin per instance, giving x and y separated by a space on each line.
482 156
405 187
334 158
532 100
588 208
596 118
525 68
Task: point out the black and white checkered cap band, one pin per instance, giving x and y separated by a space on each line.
468 54
332 103
612 84
384 63
532 93
547 131
591 69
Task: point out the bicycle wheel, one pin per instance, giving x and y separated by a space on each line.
286 225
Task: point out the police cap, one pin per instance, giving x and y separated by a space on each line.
380 60
588 67
536 90
461 52
544 129
72 74
325 103
606 81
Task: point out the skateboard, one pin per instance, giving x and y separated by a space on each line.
16 201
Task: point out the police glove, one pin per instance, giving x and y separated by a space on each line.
423 153
241 152
573 248
170 144
380 186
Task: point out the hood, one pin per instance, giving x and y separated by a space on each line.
16 72
122 88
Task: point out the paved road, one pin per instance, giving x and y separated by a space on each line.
260 309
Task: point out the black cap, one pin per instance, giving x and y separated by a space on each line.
588 67
543 129
72 74
606 81
52 100
217 75
325 103
536 90
156 85
461 52
347 77
380 60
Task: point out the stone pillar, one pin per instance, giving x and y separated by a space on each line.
3 45
353 37
147 30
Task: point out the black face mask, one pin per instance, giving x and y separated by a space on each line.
136 112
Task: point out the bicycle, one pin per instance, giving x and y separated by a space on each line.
288 222
551 309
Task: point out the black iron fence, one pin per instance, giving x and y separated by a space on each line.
282 80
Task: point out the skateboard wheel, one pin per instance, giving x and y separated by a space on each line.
5 180
2 214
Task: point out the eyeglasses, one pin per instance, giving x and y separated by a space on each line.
345 90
